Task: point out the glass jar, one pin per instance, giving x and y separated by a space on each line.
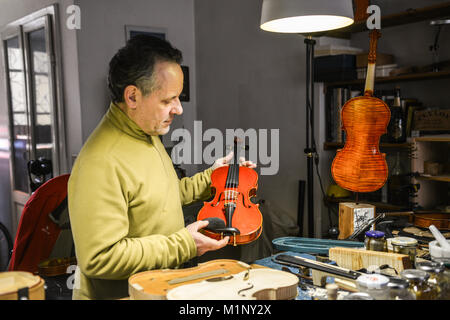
418 284
358 296
437 277
399 290
375 241
405 245
375 285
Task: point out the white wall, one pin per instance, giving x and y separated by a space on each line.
249 78
103 33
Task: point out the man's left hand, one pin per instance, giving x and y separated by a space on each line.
227 159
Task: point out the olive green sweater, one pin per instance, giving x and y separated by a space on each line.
125 207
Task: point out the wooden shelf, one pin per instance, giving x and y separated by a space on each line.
434 138
392 20
443 178
378 205
335 145
400 78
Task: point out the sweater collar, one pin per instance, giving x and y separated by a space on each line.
121 121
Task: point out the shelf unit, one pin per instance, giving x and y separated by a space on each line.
399 78
429 184
396 19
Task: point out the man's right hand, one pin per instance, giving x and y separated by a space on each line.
204 243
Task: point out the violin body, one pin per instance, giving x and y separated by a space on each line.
154 284
246 216
359 166
254 284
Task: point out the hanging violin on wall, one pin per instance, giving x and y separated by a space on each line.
359 166
231 212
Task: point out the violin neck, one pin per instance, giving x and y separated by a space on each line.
233 170
372 59
370 80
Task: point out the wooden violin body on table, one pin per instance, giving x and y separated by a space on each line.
253 284
359 166
154 284
231 212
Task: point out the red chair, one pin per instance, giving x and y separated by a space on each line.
39 225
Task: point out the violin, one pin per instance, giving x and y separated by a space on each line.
359 166
231 212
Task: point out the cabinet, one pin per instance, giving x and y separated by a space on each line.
433 190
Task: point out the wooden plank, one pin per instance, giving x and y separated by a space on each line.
356 259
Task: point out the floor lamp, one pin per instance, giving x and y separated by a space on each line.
307 17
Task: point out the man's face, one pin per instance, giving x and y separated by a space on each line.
154 113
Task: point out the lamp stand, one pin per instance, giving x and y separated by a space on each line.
310 149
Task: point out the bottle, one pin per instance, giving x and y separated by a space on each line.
397 124
398 192
418 284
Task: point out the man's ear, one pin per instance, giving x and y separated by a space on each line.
130 95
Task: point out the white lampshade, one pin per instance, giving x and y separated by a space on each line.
305 16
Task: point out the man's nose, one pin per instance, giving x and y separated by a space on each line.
178 108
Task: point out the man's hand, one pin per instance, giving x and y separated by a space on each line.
226 160
204 243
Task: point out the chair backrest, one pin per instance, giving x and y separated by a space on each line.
39 229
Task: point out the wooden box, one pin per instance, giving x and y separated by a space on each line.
432 120
352 216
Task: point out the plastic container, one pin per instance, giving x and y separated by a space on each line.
418 284
376 285
375 241
405 245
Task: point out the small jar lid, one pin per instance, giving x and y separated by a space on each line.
431 266
404 241
373 281
397 283
374 234
414 275
358 296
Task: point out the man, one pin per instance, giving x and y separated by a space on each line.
125 199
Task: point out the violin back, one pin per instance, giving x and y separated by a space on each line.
154 284
359 166
254 284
